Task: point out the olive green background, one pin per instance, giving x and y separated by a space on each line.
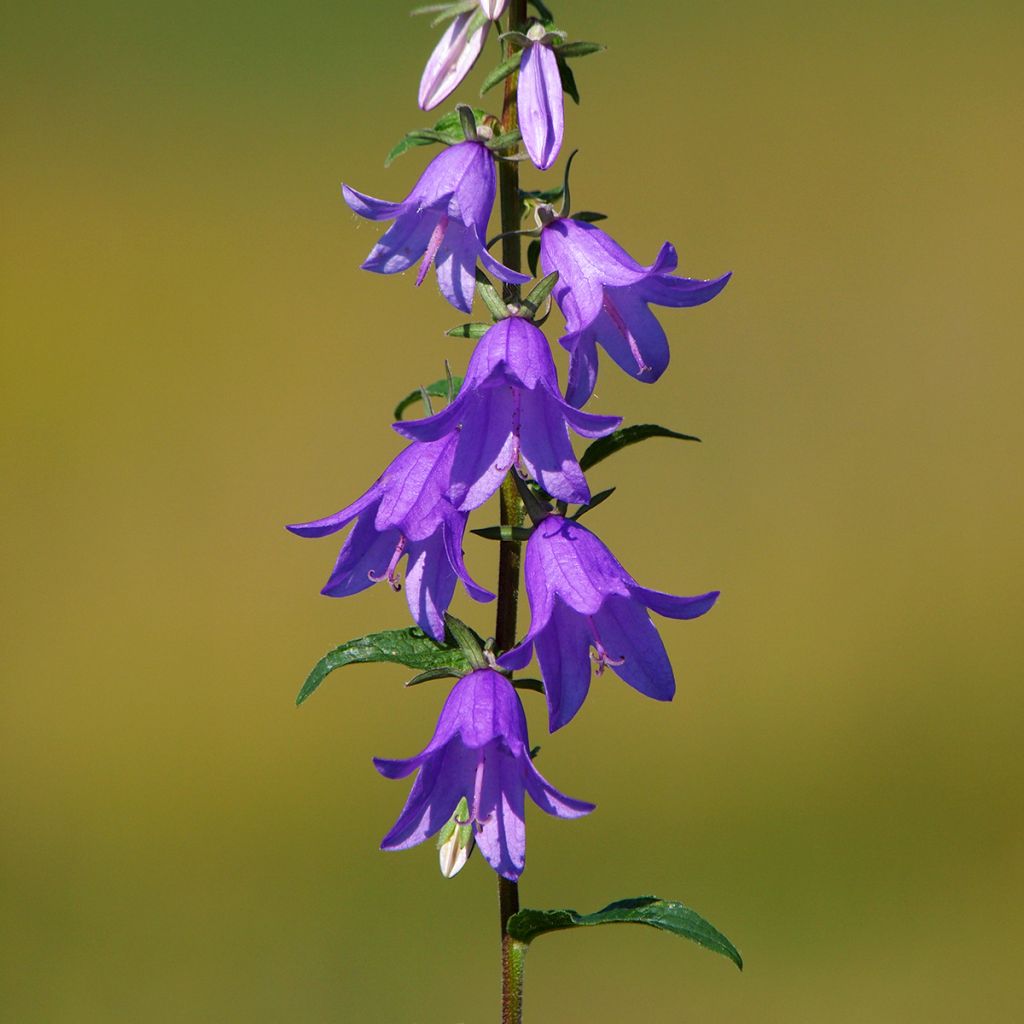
191 358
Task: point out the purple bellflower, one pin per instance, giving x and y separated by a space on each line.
541 104
444 220
508 413
581 597
480 751
605 297
405 513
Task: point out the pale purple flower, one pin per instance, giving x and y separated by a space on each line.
541 104
605 295
508 413
494 9
404 514
444 220
581 597
481 751
456 52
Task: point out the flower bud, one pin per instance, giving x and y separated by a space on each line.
494 9
455 53
455 841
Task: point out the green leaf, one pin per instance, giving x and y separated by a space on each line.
448 131
439 389
502 71
410 647
528 683
545 195
469 331
469 642
596 500
506 141
568 80
578 49
605 446
649 910
543 11
431 674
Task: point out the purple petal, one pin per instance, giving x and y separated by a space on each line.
413 486
545 447
502 835
454 530
484 452
499 270
563 650
582 366
541 104
551 800
586 424
331 524
368 207
456 52
637 338
365 551
429 584
403 243
674 607
626 631
494 9
436 427
455 266
518 657
665 290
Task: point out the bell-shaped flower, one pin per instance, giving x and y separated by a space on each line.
443 220
494 9
456 52
540 101
480 751
582 598
605 297
508 413
404 514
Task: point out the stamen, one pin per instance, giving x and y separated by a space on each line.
392 567
609 308
432 246
478 788
514 458
600 655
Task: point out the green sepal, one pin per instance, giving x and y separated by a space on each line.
468 640
540 291
410 647
501 72
543 195
492 300
533 255
447 131
505 533
542 10
605 446
589 216
506 141
469 331
445 388
468 121
665 915
445 12
431 674
578 49
568 79
596 500
529 683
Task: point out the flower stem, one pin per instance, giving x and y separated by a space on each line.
510 553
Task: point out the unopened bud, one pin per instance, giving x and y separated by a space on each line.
455 841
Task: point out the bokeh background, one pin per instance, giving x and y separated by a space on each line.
191 358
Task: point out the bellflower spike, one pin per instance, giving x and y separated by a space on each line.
540 102
405 513
605 297
508 413
480 751
456 52
581 597
444 220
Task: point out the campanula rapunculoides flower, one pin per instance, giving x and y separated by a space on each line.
508 413
481 751
540 101
494 9
605 295
581 597
443 219
404 514
456 52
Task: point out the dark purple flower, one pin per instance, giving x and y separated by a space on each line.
580 597
443 219
605 296
404 514
541 105
480 750
510 413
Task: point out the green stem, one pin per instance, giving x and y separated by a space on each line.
510 552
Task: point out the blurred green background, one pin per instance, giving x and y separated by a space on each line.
191 358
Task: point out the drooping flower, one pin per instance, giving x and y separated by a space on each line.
480 751
404 514
581 597
540 101
605 297
443 219
510 413
456 52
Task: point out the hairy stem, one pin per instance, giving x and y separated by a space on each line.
510 552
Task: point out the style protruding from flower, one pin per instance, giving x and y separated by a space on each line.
405 514
541 105
582 598
510 413
443 220
605 297
480 751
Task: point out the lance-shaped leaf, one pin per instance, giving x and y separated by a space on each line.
447 131
506 141
578 49
410 647
596 500
665 915
605 446
439 389
470 643
502 71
